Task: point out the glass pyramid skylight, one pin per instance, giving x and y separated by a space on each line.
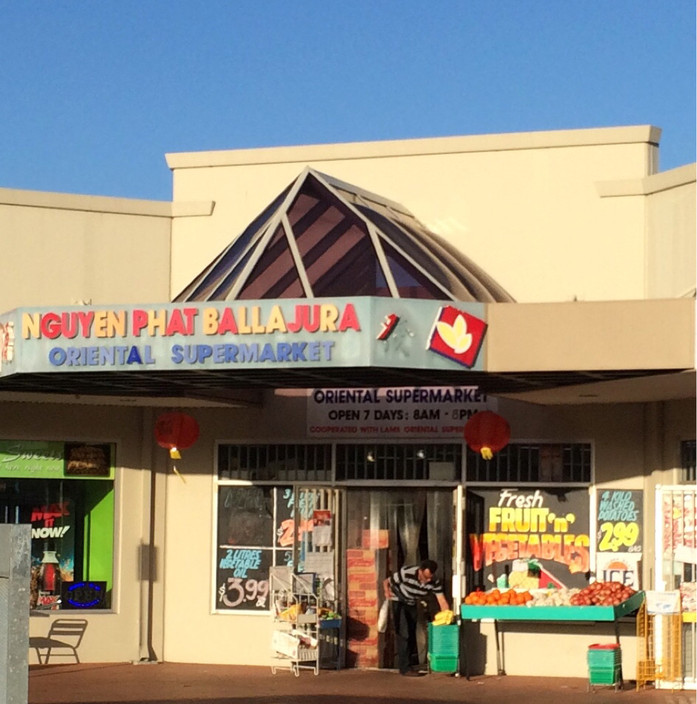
323 238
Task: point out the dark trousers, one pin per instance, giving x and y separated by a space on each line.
404 619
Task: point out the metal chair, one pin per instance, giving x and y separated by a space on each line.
65 634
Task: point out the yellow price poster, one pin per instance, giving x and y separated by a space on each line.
619 521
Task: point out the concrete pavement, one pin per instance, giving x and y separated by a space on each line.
172 683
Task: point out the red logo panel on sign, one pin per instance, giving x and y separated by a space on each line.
457 335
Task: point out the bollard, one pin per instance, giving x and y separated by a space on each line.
15 551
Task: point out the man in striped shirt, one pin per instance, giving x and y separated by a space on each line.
405 588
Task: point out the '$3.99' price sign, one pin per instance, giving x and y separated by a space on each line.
620 516
238 592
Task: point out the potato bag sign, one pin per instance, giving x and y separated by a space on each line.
619 521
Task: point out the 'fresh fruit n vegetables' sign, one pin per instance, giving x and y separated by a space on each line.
529 538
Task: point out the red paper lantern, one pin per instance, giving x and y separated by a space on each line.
176 431
487 432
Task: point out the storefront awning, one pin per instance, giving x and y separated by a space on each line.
213 351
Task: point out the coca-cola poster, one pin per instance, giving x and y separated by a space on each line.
52 549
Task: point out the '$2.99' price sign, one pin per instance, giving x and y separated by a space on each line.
616 537
620 515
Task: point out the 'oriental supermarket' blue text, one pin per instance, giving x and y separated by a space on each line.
142 355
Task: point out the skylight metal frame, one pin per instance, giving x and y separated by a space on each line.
295 253
274 222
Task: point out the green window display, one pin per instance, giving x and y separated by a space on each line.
65 491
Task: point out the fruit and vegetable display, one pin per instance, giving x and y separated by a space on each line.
327 614
294 611
602 594
496 597
596 594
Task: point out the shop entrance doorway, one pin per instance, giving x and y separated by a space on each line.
385 529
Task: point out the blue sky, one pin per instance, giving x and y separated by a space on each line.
94 93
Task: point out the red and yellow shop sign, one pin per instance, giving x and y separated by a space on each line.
265 333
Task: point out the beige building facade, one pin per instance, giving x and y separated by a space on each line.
595 245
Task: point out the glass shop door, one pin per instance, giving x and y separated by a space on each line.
386 529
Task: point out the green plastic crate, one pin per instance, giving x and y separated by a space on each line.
444 640
443 663
604 657
443 648
605 675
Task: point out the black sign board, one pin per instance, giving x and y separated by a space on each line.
243 578
620 517
528 537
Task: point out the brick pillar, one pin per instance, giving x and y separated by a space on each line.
362 632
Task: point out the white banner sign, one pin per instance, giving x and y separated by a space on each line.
402 412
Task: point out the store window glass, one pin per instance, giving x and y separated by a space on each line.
260 527
65 491
398 462
281 463
255 531
534 463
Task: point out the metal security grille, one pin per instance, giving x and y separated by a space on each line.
687 457
284 463
519 463
373 462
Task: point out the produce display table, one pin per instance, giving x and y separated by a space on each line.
549 613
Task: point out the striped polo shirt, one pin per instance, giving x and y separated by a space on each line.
407 588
